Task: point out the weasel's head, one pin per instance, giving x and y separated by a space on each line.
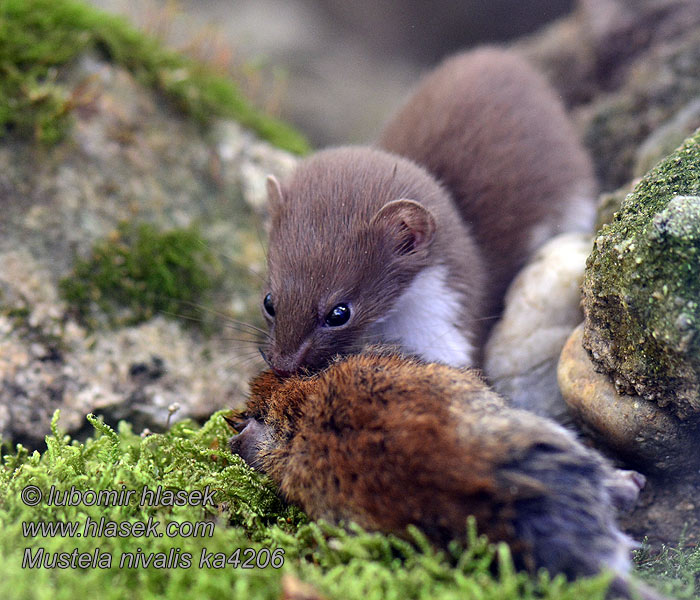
348 235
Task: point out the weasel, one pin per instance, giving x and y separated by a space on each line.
388 441
414 242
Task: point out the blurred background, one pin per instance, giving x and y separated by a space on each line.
334 68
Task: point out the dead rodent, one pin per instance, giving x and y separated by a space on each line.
367 246
387 441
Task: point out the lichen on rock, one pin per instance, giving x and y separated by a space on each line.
642 287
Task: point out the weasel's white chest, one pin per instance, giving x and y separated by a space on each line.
425 321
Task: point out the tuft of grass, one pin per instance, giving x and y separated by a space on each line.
673 571
139 272
39 37
341 563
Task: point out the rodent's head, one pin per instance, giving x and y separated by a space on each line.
270 415
349 233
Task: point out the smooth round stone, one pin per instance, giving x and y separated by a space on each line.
634 427
542 307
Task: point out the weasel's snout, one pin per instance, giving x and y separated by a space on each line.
305 357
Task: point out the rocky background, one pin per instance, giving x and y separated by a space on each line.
380 48
630 73
128 158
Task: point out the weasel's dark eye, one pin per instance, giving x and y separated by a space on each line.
269 307
338 316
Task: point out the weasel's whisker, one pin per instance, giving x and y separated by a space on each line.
243 360
488 318
264 357
260 239
255 342
245 327
223 315
181 316
256 274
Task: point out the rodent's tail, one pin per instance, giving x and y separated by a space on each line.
629 589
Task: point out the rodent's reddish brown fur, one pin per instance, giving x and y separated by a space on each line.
387 441
386 481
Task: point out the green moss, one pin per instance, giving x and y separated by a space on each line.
38 37
608 204
140 272
642 284
675 570
676 175
342 564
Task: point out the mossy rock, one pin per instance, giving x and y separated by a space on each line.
660 83
642 287
39 38
139 272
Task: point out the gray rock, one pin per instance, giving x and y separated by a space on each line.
246 162
541 310
128 156
626 69
664 140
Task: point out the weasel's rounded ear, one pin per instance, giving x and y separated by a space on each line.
274 193
410 225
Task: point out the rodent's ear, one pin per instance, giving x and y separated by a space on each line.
409 224
274 193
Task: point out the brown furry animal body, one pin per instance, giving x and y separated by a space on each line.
490 129
386 442
414 242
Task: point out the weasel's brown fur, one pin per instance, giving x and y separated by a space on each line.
497 170
493 132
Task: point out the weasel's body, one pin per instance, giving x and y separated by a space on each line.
367 246
388 442
492 131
